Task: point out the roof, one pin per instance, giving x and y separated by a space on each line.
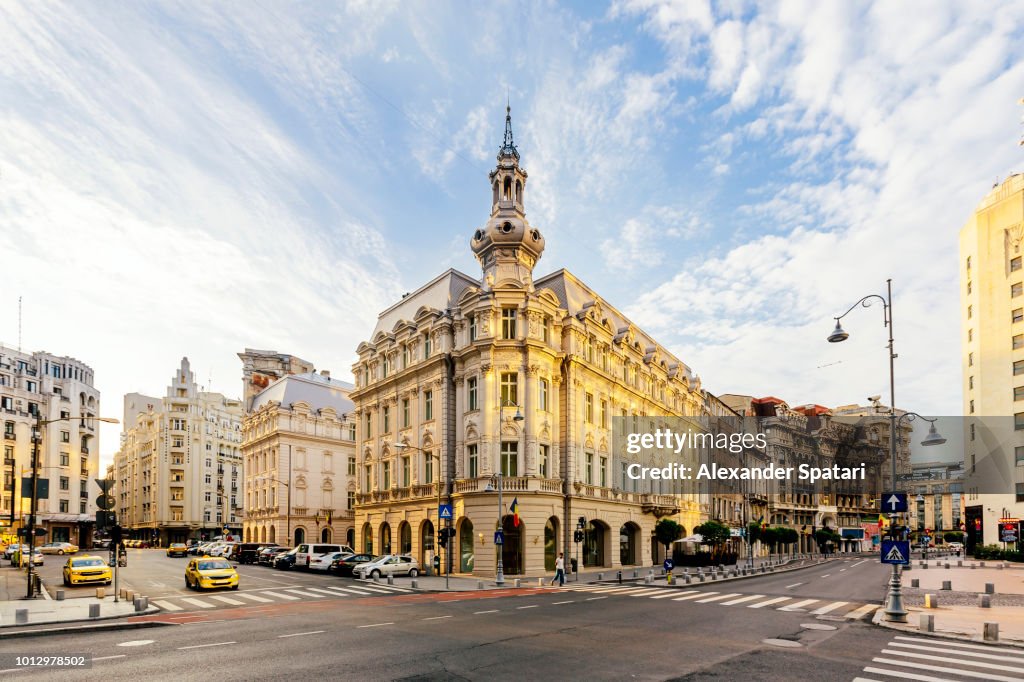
440 293
314 389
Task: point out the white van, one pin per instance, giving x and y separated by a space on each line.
306 551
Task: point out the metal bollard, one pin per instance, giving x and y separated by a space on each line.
479 584
700 576
985 601
686 577
519 582
947 584
618 576
376 578
927 623
600 577
416 583
94 610
959 563
915 582
391 580
141 604
931 601
648 580
990 588
947 564
20 616
636 572
60 595
991 632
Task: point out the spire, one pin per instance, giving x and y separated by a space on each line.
508 146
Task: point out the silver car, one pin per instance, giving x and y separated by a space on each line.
389 564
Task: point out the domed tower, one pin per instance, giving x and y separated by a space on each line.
507 247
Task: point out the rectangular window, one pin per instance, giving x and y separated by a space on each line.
508 323
426 345
207 496
385 367
1016 289
590 468
1018 393
428 405
1019 455
65 459
428 468
350 500
1018 341
968 262
970 312
971 411
970 335
65 437
968 288
367 477
972 431
385 419
64 506
1018 421
405 356
406 474
588 407
544 395
367 431
545 334
405 413
64 483
509 383
351 466
1018 315
509 458
352 431
1020 492
1015 264
542 463
474 464
604 414
604 472
970 359
472 327
386 475
471 393
1018 367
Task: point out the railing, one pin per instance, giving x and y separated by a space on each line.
10 436
85 450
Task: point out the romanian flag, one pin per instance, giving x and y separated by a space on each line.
515 512
762 522
883 522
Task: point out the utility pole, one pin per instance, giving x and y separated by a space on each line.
37 437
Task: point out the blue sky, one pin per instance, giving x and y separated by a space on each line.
189 178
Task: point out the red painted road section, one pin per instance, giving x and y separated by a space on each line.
243 612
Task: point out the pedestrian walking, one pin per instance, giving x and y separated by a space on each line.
559 571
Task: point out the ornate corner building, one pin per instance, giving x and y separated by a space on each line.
465 378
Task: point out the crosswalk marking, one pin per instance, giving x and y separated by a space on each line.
666 595
742 599
693 595
767 603
281 595
943 659
197 602
375 588
358 590
716 598
903 675
961 660
938 668
227 600
862 611
798 605
254 597
167 606
961 645
320 589
945 650
831 607
301 593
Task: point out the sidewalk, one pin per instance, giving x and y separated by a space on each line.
958 614
43 610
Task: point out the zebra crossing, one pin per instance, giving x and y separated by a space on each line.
814 607
266 596
935 660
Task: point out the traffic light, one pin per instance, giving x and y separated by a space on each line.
442 537
115 535
582 522
577 536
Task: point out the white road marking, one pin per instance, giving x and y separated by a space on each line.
477 613
716 598
768 603
798 605
900 673
862 611
595 598
793 585
826 575
667 594
167 606
693 595
107 658
254 597
306 594
571 601
941 669
227 600
831 607
137 642
438 617
962 645
933 657
301 634
859 563
841 570
374 625
197 602
742 599
203 646
357 590
531 606
320 589
281 595
944 650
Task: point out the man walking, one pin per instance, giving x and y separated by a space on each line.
559 571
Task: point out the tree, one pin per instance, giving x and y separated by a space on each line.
753 532
953 536
668 531
715 533
771 536
789 536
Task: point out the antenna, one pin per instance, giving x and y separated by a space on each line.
19 324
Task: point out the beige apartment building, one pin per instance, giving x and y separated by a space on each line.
509 372
55 387
298 445
992 326
179 470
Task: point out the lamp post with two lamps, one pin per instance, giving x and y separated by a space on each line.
499 576
894 610
437 482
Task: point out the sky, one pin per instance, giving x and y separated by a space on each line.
194 178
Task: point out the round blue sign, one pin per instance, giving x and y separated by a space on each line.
668 564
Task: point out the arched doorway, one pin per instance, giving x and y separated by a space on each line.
512 562
325 535
595 544
263 534
404 538
350 537
300 536
247 535
426 543
273 534
367 539
466 546
629 536
550 543
385 538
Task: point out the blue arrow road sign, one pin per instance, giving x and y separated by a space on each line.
499 537
894 502
668 564
895 552
445 512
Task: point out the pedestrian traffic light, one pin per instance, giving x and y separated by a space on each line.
577 536
442 537
115 535
582 522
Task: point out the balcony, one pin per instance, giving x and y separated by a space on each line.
10 436
85 450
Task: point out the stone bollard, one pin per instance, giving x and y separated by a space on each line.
985 601
648 580
94 610
686 577
959 563
947 585
931 601
927 623
101 593
915 582
141 603
20 616
991 632
600 577
700 576
479 584
947 564
924 565
129 595
990 588
518 582
973 566
981 564
416 583
122 593
921 563
391 580
60 595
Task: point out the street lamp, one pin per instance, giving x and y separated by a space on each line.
499 577
894 610
405 446
37 439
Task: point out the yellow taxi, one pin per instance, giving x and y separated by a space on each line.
86 569
177 549
210 572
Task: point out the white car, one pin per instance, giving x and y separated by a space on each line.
323 561
389 564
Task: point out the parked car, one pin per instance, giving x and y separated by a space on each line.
61 548
197 548
286 560
12 548
222 549
86 569
306 551
267 555
101 543
209 572
389 564
247 552
345 564
324 561
177 549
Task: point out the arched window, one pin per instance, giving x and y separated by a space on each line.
507 191
519 192
273 534
466 546
367 539
325 535
550 543
300 536
385 538
405 538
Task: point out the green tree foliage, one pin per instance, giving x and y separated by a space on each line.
668 531
715 533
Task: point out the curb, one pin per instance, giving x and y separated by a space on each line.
910 629
679 583
72 629
152 610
